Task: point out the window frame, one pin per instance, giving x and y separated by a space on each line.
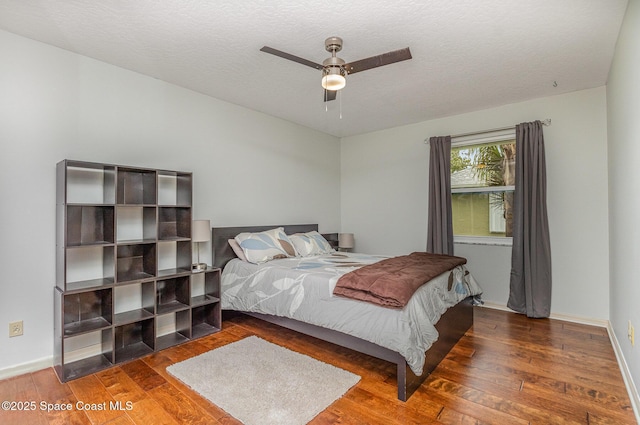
480 139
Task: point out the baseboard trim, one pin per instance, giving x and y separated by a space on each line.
28 367
632 390
557 316
626 373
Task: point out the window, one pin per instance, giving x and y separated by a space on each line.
482 186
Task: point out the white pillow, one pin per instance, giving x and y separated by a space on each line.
264 246
310 243
236 248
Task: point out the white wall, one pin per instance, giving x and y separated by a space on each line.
384 196
249 168
623 101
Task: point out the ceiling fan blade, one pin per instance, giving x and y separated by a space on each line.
329 95
376 61
291 57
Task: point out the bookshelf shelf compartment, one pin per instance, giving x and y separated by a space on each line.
136 186
174 257
136 262
134 303
84 354
205 287
87 311
174 223
182 332
172 295
136 224
88 183
87 267
134 340
89 225
174 188
204 320
206 314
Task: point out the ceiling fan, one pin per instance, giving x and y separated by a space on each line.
335 69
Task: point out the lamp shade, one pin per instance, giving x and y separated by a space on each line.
200 231
346 240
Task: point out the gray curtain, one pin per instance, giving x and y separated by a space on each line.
440 227
530 284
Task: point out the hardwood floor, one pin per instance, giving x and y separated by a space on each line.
507 369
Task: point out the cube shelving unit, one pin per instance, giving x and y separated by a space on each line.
123 264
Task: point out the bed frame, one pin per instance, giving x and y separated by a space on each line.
453 324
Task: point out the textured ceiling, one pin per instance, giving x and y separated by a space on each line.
467 54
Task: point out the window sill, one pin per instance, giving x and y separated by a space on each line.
483 240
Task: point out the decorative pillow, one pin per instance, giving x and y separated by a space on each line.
310 243
265 246
236 248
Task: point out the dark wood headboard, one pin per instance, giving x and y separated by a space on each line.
221 250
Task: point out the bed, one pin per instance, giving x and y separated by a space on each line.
401 336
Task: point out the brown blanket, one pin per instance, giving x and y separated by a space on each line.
392 282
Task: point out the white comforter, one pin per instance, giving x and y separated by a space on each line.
302 289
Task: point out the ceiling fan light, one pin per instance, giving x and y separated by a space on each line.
333 82
333 79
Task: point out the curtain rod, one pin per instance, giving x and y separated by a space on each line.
546 122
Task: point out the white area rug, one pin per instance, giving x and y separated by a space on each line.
261 383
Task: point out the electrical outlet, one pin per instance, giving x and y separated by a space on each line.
15 328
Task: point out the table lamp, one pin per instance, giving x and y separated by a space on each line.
200 232
345 241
